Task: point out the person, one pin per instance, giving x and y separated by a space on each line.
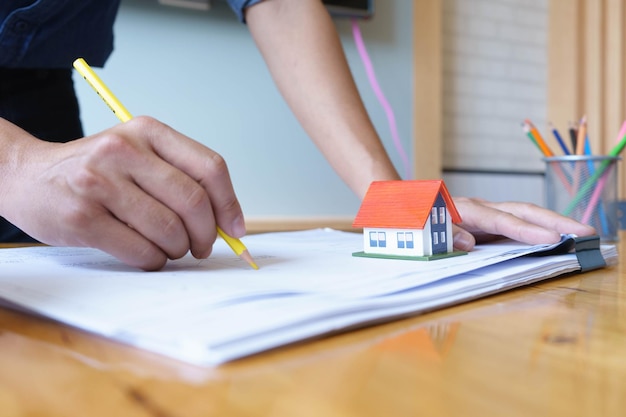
127 192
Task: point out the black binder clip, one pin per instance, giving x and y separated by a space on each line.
588 252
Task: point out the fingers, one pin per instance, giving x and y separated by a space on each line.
160 224
203 165
190 181
543 217
523 222
169 208
482 219
83 223
127 245
462 239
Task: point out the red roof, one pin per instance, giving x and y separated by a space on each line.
402 204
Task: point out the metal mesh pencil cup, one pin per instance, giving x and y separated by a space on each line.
584 187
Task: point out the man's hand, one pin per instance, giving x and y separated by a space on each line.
483 221
140 191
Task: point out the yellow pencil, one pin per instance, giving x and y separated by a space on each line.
124 115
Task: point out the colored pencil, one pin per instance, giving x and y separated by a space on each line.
545 149
573 132
559 139
581 136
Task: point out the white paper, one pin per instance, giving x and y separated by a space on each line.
210 311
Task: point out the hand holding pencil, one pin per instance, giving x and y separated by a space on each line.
188 157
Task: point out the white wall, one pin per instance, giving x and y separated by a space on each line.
201 73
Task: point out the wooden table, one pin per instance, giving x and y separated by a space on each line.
553 349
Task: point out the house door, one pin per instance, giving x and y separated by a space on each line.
438 226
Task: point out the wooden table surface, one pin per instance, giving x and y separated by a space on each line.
557 348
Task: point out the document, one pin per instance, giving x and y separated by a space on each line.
214 310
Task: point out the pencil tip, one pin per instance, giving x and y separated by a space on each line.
245 255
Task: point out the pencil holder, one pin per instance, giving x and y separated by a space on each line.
584 187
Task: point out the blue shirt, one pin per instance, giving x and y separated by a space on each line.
53 33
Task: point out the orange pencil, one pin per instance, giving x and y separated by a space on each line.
581 138
545 149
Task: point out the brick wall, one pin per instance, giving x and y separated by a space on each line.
495 73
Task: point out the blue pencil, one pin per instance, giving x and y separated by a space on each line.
587 146
559 139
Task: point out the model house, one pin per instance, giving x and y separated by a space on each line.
407 219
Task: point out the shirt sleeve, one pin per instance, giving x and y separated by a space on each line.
239 6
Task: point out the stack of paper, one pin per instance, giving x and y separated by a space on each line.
215 310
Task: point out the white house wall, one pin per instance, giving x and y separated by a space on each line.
426 240
450 236
421 242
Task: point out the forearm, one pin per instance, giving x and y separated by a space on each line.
302 50
15 144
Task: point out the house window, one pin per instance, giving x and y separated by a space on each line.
373 240
442 215
405 240
443 237
382 239
435 238
378 240
433 215
400 240
409 240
